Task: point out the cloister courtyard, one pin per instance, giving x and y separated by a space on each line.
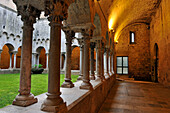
97 56
10 82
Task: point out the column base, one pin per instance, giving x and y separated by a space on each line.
24 100
67 84
106 74
86 85
80 78
101 78
111 74
92 77
53 104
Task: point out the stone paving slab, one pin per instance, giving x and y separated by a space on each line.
137 97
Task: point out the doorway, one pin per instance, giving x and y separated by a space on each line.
156 62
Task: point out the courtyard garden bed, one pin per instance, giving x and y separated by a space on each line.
9 86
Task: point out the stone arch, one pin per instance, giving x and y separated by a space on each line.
128 25
5 56
42 56
18 60
5 33
84 9
10 46
75 58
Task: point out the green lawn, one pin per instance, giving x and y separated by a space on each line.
9 86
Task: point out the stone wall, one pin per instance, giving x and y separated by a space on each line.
160 34
138 53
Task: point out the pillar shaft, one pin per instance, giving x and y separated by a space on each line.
102 62
28 16
15 59
46 60
81 58
98 49
92 46
57 11
86 80
10 60
68 83
107 63
61 62
0 57
110 69
37 59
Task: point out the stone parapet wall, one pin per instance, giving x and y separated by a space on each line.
91 101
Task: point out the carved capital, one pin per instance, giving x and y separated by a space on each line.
28 13
57 10
98 44
69 36
81 42
87 32
92 45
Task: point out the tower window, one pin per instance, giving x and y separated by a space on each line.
132 37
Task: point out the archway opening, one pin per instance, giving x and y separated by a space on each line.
75 58
42 58
62 61
18 60
5 56
156 62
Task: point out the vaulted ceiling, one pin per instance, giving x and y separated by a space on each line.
118 13
121 13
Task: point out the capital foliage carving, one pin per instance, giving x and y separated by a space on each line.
28 13
81 42
92 45
57 10
87 32
69 35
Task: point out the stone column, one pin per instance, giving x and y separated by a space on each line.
86 80
28 16
81 58
106 62
0 57
98 50
10 60
33 59
69 36
113 63
102 61
92 46
57 11
15 59
114 60
110 71
61 61
47 61
38 59
64 63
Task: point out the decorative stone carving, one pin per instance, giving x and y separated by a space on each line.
56 10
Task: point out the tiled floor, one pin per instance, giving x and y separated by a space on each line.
137 97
